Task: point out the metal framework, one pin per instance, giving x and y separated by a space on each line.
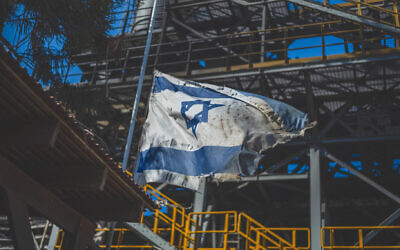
178 229
338 62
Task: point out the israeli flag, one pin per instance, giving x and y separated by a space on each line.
195 130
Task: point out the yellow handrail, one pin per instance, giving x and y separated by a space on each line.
259 227
182 229
162 197
328 235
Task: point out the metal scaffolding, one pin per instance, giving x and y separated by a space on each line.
337 62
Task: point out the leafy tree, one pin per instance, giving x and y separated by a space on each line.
73 25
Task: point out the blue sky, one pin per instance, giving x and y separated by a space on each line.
297 49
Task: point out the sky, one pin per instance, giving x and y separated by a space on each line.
297 49
334 45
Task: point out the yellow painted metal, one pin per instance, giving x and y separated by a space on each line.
359 8
226 214
266 237
396 20
184 231
382 6
284 34
396 14
165 200
360 231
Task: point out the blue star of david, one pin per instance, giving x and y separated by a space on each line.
202 116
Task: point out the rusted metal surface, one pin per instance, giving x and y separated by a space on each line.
70 150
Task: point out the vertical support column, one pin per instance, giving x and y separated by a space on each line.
19 221
250 56
189 59
285 44
53 237
200 196
323 42
81 238
162 37
199 203
362 42
263 27
110 235
315 198
396 21
228 54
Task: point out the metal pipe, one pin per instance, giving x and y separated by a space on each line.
209 38
363 177
352 17
139 89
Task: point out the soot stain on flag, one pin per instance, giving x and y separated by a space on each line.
194 130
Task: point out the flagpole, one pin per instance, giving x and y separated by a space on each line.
139 89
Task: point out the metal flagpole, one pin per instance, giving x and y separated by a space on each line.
139 89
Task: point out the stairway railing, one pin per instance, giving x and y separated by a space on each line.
227 218
356 237
182 230
174 223
260 237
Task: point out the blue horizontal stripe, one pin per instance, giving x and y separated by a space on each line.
161 83
206 160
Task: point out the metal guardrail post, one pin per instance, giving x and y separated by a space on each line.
172 240
228 60
189 59
155 226
323 42
396 21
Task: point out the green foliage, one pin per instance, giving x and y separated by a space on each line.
75 25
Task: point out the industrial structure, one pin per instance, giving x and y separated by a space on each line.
337 61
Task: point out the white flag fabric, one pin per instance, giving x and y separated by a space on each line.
195 130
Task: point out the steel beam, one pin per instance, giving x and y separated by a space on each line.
363 177
201 35
148 235
386 222
200 196
315 198
262 178
348 16
53 237
298 67
115 82
199 204
19 221
345 140
39 198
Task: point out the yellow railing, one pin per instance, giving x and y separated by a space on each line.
117 245
229 222
259 237
389 8
329 237
174 224
183 231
